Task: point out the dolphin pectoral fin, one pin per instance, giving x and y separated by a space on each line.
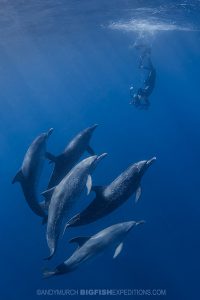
52 158
89 184
138 194
90 150
18 177
73 220
65 227
118 250
80 240
47 195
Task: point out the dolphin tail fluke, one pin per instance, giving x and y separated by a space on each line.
18 177
52 252
48 273
49 257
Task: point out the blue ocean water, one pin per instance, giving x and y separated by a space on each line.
67 65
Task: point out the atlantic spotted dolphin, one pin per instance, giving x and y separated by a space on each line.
30 172
64 196
64 162
110 197
90 247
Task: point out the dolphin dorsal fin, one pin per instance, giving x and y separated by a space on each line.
18 177
118 250
80 240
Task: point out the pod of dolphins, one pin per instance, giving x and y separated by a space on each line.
68 180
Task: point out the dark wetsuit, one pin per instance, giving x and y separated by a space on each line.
149 84
140 98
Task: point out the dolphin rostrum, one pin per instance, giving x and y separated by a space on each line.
110 197
89 247
64 162
64 196
28 175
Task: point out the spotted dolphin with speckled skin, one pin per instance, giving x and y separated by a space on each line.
90 247
110 197
64 162
65 195
29 174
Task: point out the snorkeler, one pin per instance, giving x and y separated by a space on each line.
141 98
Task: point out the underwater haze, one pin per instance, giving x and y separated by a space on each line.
69 64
